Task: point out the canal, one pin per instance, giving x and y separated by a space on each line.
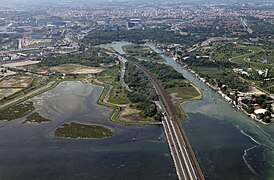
227 143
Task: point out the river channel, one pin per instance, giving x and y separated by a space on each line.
227 143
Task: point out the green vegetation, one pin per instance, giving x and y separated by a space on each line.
16 111
36 118
94 58
77 130
228 51
142 92
139 35
163 72
142 52
266 57
35 83
218 73
251 57
111 76
174 82
127 105
261 27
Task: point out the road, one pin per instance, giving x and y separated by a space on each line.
186 164
122 61
41 89
122 72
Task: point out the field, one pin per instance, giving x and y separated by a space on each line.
181 92
142 52
30 43
184 93
21 63
76 69
133 115
4 92
12 84
17 81
76 130
266 57
228 51
117 94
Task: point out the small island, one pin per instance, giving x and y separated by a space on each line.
77 130
36 118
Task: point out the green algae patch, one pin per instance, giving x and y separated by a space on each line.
76 130
36 118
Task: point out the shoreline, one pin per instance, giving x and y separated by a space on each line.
179 103
116 111
225 97
84 138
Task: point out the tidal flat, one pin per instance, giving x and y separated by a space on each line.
31 151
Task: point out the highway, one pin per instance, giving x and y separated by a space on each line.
186 164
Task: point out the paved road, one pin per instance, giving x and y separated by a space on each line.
122 72
184 158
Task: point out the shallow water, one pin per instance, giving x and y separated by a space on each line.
227 143
30 151
234 145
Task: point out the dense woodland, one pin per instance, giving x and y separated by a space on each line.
164 72
143 93
196 62
139 35
261 28
93 58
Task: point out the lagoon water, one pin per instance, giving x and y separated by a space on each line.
30 151
227 143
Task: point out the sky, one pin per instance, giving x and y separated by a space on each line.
3 2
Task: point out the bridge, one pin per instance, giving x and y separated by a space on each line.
186 164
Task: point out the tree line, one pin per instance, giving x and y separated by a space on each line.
94 58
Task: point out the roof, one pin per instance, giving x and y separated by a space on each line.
260 111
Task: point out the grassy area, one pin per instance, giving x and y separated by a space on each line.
20 80
142 52
184 93
267 55
123 112
257 57
36 82
230 50
101 101
36 118
16 111
181 92
211 73
117 94
76 130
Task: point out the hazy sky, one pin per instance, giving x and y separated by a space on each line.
3 2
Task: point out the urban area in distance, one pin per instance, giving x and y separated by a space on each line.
126 89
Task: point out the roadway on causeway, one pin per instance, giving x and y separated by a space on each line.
186 164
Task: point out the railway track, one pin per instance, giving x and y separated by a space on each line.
193 169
